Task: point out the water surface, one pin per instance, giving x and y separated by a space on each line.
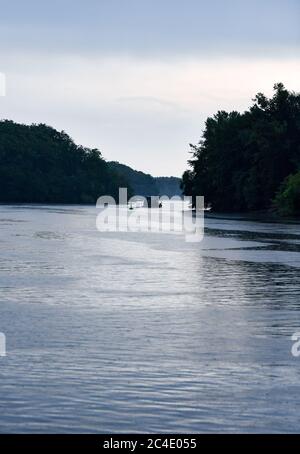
119 332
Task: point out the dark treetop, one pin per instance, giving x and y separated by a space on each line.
41 165
144 184
250 161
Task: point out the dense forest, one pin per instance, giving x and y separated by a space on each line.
169 186
250 161
144 184
41 165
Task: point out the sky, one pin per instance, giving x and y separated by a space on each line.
138 78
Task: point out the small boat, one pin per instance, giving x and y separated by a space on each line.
206 209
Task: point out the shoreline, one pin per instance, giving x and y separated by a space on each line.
254 216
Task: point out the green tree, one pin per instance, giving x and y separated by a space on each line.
287 200
41 165
242 158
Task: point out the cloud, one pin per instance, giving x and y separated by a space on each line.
140 111
152 27
137 78
149 103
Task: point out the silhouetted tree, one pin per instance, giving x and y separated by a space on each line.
242 159
41 165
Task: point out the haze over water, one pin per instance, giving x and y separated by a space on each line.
141 332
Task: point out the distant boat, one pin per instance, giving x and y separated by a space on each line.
205 209
135 204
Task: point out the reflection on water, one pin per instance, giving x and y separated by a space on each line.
119 332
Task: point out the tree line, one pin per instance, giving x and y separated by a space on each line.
41 165
250 161
144 184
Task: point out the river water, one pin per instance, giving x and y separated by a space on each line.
144 332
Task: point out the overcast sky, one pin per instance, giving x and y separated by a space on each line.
137 78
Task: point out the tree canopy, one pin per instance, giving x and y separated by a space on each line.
41 165
243 159
144 184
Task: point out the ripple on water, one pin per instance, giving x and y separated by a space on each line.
116 332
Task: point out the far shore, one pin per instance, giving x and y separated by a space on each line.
251 216
262 216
